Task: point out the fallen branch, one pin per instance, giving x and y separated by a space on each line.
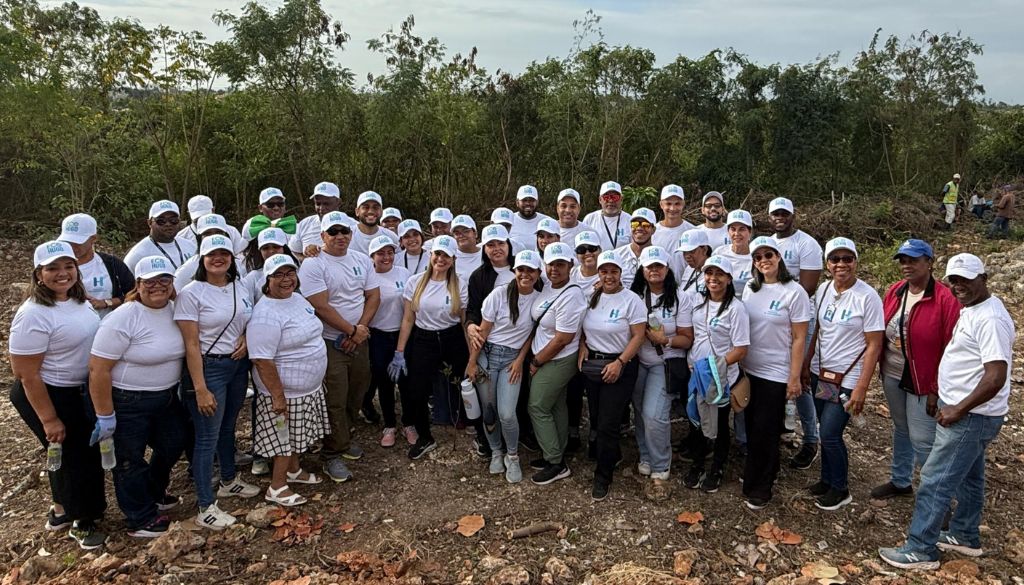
533 529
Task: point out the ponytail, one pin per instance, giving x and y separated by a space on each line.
513 300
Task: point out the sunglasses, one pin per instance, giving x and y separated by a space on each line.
641 224
611 197
274 204
712 206
283 274
161 221
338 229
162 280
848 259
588 249
764 256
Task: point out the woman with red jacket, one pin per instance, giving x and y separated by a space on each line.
920 314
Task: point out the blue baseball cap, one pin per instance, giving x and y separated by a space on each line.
914 249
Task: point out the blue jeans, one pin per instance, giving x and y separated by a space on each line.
805 401
653 425
955 468
499 397
153 419
835 459
1000 227
226 379
913 431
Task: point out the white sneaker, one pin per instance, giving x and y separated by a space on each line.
214 518
237 489
643 468
497 462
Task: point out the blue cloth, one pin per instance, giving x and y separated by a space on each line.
707 391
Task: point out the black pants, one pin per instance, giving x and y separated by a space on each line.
78 484
765 418
382 350
430 352
607 403
719 446
574 400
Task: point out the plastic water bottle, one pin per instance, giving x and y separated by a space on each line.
107 459
791 415
653 322
54 456
281 428
858 420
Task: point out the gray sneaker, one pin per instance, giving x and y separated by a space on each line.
353 453
337 470
497 463
513 473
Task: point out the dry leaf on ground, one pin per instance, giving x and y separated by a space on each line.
470 525
690 518
773 533
347 527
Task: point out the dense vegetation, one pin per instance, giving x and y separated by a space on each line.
106 116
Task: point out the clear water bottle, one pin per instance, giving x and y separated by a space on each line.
54 456
281 427
791 415
857 421
107 458
653 322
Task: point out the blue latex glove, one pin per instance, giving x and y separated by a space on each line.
105 425
397 367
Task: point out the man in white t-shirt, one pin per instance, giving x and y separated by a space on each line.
974 393
200 205
503 217
610 222
670 229
440 225
641 225
524 223
272 214
163 239
368 212
343 288
307 241
568 212
469 254
712 208
106 279
390 218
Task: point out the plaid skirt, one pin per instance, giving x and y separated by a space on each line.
307 424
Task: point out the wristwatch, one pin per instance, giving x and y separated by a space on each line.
108 303
535 363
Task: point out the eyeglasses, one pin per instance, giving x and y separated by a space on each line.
283 274
848 259
338 229
172 221
712 206
611 197
274 204
162 280
641 224
588 249
764 256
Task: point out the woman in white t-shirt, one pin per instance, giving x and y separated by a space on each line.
694 247
212 312
663 373
739 224
412 256
588 248
721 330
134 374
49 345
384 328
779 310
497 364
433 332
269 242
842 356
284 339
613 330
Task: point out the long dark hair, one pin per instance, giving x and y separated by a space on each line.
596 297
254 259
757 278
43 295
486 261
201 275
730 294
668 296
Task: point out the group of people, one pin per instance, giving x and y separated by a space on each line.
518 321
1003 207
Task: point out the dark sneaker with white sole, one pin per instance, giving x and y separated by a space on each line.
539 463
155 528
693 477
805 457
902 558
55 522
87 535
948 542
834 499
711 481
599 492
756 503
167 502
421 448
552 473
818 489
889 490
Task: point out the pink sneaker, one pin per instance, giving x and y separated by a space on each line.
388 439
411 436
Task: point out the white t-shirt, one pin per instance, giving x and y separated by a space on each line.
237 240
668 237
680 315
496 310
718 334
345 278
692 281
177 251
568 235
718 236
435 308
771 311
984 333
288 332
253 283
586 282
741 267
613 232
211 307
607 324
504 276
565 315
800 252
147 345
63 333
630 264
523 229
392 306
186 273
841 327
414 264
307 233
361 241
97 280
467 262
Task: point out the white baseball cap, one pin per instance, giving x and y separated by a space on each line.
587 238
270 193
211 221
609 257
391 212
199 206
780 203
380 242
441 214
407 226
152 266
691 240
740 216
610 186
327 190
966 266
334 218
654 255
369 196
549 226
527 258
763 242
840 244
956 175
463 221
163 206
445 244
501 215
277 262
77 228
711 194
526 192
558 251
215 242
272 236
646 215
50 251
673 190
570 192
493 232
720 262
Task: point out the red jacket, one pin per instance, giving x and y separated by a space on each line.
929 328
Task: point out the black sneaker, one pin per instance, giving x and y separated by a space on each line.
804 457
539 463
529 443
87 535
756 503
712 481
370 415
421 448
156 527
167 502
551 474
693 477
482 450
834 499
573 445
599 492
819 489
888 490
55 522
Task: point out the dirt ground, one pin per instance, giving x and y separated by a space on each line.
396 522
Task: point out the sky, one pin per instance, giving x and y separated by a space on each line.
510 34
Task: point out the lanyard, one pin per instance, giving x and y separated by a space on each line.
181 256
614 239
693 279
418 260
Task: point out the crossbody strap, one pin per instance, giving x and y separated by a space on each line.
647 300
818 334
234 311
536 323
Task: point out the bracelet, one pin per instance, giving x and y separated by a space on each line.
619 359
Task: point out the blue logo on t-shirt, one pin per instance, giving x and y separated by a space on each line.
97 281
613 314
714 322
